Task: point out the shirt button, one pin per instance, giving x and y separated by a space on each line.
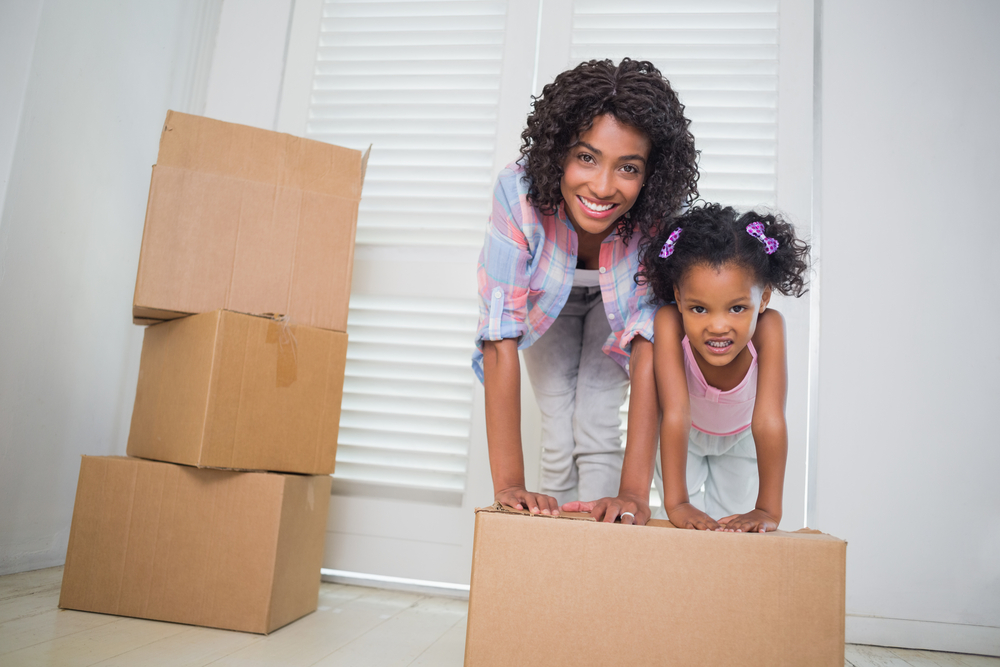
497 293
603 270
611 316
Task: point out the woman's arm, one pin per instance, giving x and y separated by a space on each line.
770 432
502 383
671 384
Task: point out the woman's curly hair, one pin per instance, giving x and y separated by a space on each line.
713 235
634 93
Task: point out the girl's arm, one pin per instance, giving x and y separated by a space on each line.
770 432
671 384
502 383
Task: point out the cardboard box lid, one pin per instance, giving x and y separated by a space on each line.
216 147
806 533
572 591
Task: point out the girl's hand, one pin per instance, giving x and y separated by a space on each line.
687 515
636 511
536 503
757 521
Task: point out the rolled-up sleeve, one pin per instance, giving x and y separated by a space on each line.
503 271
642 307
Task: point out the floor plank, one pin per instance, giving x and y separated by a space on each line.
447 651
193 646
872 656
26 583
85 648
402 638
50 626
343 616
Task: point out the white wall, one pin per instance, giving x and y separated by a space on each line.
100 80
908 451
18 28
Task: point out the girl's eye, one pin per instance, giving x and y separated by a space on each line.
738 309
698 309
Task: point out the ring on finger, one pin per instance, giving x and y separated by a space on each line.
624 514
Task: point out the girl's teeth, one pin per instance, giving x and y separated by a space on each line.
713 343
597 208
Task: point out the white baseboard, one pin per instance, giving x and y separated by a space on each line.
932 636
445 589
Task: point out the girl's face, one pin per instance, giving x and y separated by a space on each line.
603 174
719 307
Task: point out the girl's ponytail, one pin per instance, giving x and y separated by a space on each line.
715 235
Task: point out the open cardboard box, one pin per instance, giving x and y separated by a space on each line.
228 390
571 591
248 220
233 550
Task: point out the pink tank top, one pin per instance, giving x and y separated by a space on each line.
719 412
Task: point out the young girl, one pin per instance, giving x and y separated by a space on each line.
723 437
606 155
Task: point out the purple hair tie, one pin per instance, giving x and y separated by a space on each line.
756 230
668 247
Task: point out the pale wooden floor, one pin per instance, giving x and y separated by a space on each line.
353 626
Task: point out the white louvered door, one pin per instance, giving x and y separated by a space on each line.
441 89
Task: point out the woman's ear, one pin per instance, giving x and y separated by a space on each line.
765 298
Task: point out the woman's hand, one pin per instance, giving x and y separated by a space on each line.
536 503
635 510
686 515
757 521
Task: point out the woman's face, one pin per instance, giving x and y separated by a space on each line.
603 174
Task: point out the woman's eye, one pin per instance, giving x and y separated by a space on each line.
586 157
630 169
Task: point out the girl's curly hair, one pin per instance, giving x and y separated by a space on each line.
713 235
634 93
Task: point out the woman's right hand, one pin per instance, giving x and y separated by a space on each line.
609 509
519 498
687 515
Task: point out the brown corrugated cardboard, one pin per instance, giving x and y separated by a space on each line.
227 390
558 591
223 549
248 220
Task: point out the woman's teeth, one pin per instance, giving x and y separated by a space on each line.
596 208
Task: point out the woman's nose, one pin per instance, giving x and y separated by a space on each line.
603 184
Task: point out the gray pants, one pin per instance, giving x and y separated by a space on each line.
580 391
722 474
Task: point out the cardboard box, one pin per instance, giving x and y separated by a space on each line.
248 220
233 550
227 390
564 591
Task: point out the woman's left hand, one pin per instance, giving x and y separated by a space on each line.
631 510
757 521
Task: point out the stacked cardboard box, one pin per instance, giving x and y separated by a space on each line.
572 591
217 516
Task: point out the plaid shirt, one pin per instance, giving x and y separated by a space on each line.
526 272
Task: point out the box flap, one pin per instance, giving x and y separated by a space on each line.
498 508
211 146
